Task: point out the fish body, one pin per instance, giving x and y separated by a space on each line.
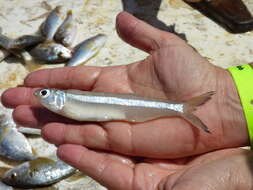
26 41
36 173
50 51
67 31
87 49
13 144
95 106
51 24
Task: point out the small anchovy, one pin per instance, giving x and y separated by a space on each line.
51 24
29 131
38 173
67 31
51 52
95 106
13 144
87 49
26 41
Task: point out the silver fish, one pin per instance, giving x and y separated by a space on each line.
26 41
87 49
29 131
13 144
67 31
95 106
51 52
37 173
53 21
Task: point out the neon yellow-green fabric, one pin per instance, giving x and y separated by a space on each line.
243 77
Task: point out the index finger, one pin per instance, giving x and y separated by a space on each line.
81 77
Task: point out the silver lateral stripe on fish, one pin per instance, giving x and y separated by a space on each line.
37 173
51 24
95 106
87 49
67 31
26 41
50 51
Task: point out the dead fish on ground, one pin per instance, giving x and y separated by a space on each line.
26 41
53 21
37 173
96 106
87 49
50 51
13 144
67 31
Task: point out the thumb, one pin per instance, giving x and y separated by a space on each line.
142 35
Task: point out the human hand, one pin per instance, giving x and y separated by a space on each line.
173 71
224 169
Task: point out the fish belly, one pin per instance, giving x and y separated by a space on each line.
107 112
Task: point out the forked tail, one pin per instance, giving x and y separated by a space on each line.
192 105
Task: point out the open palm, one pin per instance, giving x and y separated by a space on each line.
173 71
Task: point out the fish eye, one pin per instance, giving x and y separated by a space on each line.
13 175
44 93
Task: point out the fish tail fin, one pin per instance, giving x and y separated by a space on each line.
192 105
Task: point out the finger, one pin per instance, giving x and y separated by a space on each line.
36 117
114 174
154 139
142 35
91 135
14 97
82 77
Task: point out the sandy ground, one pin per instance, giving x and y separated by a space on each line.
98 16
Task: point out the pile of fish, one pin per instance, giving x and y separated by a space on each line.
34 171
53 42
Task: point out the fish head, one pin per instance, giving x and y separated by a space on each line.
53 99
16 176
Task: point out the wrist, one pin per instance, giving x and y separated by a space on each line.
229 105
